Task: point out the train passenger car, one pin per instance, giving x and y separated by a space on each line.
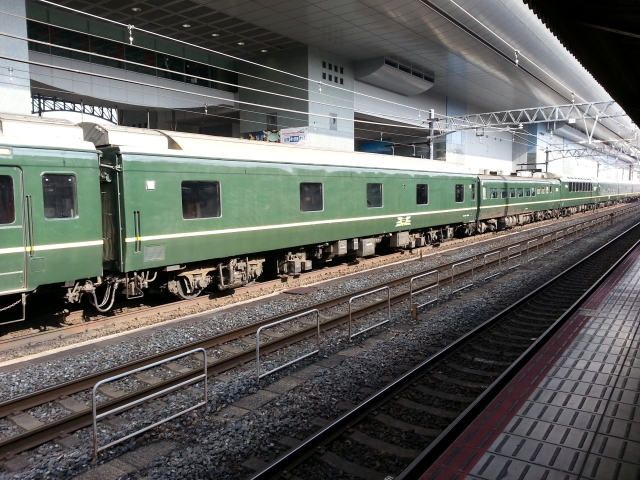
577 194
511 200
50 232
207 210
93 208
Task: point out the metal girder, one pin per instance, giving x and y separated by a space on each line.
42 103
569 113
557 152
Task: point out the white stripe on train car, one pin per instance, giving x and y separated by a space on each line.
56 246
287 225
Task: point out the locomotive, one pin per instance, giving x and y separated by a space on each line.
91 210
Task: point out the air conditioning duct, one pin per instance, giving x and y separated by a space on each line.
393 76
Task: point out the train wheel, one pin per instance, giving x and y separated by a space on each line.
184 290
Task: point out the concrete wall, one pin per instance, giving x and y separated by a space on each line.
416 107
15 93
275 92
330 103
297 102
125 91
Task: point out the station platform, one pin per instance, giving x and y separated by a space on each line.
574 409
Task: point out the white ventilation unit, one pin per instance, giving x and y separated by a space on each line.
393 76
102 135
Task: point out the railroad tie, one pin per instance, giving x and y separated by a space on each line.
25 421
147 378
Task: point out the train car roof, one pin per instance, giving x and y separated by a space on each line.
136 140
516 178
33 131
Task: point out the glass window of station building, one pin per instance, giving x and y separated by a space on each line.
110 53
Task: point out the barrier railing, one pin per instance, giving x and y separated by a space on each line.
351 335
499 253
122 408
453 275
572 230
413 307
511 256
548 244
529 258
559 234
297 359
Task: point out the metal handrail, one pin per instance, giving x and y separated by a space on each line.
129 405
544 242
453 267
556 237
351 335
413 308
510 256
499 253
528 245
297 359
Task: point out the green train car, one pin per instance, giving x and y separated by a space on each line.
93 211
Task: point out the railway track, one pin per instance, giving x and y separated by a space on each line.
226 359
428 406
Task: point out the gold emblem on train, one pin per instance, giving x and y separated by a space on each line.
403 221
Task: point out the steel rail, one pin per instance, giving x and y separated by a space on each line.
52 393
50 431
444 440
302 452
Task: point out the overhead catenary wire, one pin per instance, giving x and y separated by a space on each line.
393 116
519 53
273 107
239 59
130 27
409 144
518 134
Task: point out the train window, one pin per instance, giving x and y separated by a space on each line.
473 191
484 193
459 193
533 192
503 193
200 199
59 193
512 193
527 192
493 192
520 192
422 194
374 195
311 197
7 207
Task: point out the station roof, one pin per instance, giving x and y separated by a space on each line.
469 47
605 38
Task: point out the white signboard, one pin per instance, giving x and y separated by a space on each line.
294 136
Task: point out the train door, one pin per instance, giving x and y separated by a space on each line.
12 238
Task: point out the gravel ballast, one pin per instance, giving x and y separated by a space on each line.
215 444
